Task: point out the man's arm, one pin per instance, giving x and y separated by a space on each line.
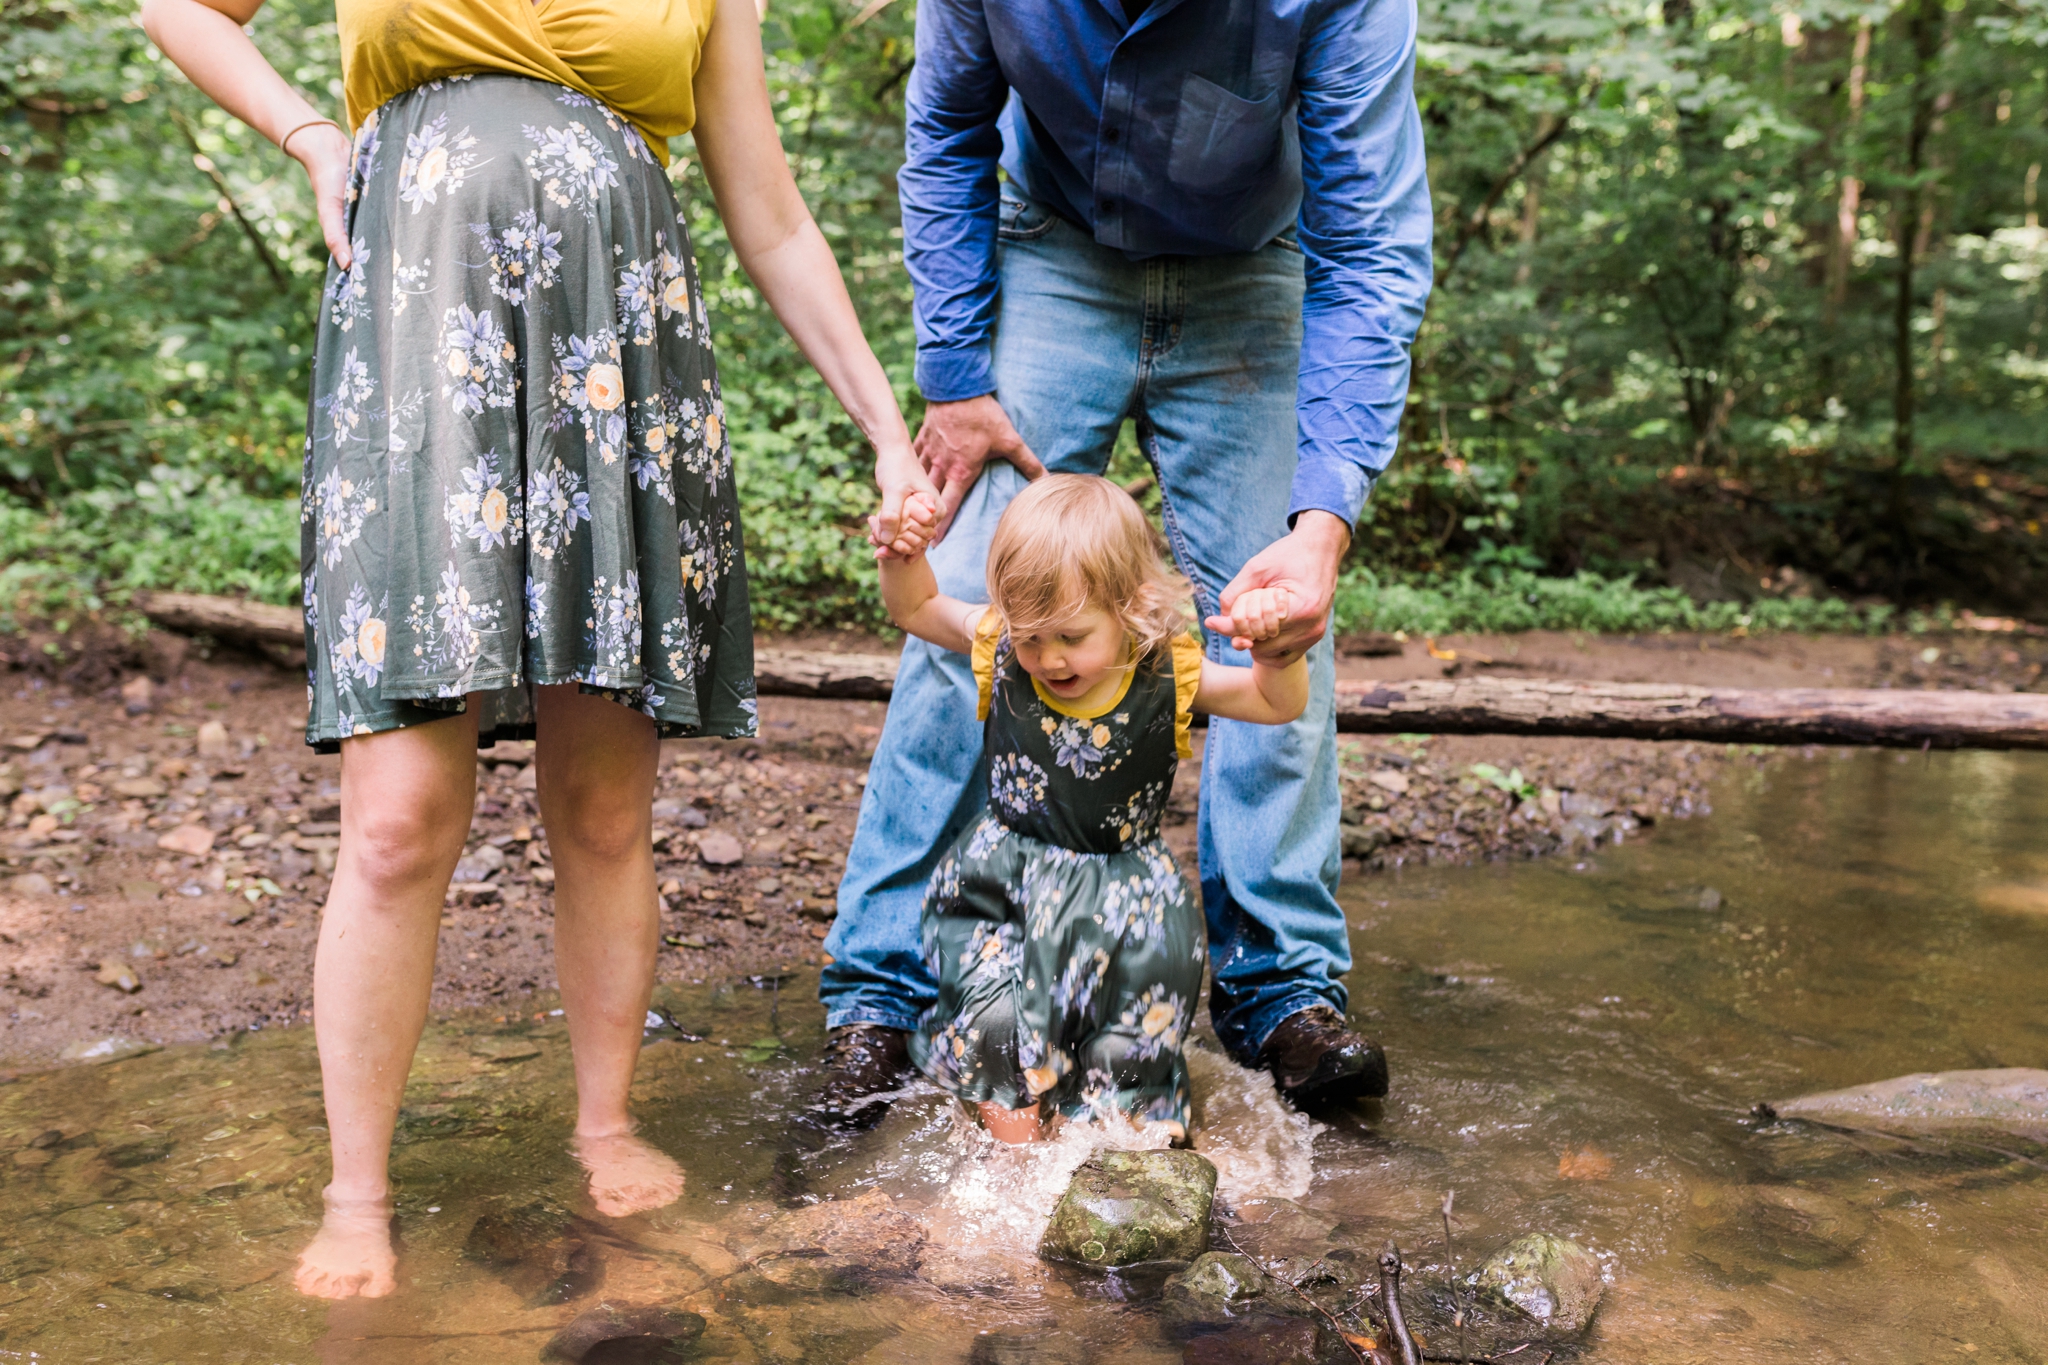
950 199
1365 229
949 194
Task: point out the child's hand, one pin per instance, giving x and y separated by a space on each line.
920 520
1257 614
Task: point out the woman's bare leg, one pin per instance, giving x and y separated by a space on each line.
595 769
405 809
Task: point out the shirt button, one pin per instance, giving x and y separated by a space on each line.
1109 206
1109 135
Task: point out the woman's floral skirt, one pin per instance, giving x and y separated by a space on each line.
517 471
1067 980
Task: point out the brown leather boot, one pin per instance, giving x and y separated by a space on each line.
1316 1060
864 1065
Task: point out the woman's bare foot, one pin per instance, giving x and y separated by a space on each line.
627 1175
351 1255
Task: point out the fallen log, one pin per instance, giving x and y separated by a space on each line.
1604 710
1429 706
808 673
225 618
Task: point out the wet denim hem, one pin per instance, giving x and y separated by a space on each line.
870 1014
1267 1018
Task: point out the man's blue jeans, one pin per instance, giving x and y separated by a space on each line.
1202 353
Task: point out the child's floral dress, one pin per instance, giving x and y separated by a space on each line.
1068 952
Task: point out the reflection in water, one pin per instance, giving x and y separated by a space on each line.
1576 1050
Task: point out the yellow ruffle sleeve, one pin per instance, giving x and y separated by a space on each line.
1187 680
988 632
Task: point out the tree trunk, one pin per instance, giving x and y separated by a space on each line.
1925 23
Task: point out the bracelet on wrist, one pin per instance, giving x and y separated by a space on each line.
284 144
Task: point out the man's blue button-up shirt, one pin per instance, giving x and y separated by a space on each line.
1203 128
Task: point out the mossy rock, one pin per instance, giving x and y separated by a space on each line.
1554 1281
1126 1208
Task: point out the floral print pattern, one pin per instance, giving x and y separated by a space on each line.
480 508
435 162
494 499
573 166
589 387
1058 925
522 257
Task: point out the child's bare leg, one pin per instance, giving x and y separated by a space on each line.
1012 1125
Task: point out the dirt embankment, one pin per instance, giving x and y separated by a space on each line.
164 847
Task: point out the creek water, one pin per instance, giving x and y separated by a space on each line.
1576 1047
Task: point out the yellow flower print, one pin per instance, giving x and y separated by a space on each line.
458 363
1100 736
495 511
714 431
657 440
433 169
605 387
1040 1079
370 637
676 296
1048 725
1158 1019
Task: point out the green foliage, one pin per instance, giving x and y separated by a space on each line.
1514 600
1657 388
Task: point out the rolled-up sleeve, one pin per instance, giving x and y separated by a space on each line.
950 197
1365 230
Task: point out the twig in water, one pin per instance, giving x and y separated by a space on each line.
1451 1256
1390 1291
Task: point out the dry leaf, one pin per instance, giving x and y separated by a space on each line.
1587 1163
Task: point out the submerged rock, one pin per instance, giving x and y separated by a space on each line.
1220 1288
622 1331
1296 1342
1554 1281
1042 1344
2013 1098
536 1251
1123 1208
838 1246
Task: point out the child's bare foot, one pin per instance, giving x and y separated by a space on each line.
627 1175
1011 1125
351 1255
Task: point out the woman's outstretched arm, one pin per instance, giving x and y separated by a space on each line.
781 248
204 39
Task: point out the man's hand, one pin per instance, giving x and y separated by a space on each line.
957 439
1304 562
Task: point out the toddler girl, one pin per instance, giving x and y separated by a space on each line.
1068 953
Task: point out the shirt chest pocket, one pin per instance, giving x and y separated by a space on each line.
1221 140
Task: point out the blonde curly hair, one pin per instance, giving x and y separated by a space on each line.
1073 541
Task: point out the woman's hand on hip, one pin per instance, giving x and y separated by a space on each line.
325 151
958 439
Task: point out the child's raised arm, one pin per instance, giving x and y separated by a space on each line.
911 595
1262 694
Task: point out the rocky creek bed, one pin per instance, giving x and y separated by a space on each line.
1579 1051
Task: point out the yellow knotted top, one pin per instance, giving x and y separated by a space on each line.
638 56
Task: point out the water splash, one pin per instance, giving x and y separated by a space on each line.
1000 1196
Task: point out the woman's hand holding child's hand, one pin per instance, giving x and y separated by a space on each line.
1256 615
914 533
